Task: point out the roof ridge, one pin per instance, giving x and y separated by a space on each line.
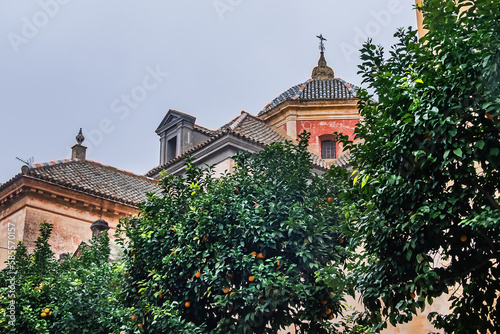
239 120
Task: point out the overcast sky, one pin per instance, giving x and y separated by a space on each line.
115 67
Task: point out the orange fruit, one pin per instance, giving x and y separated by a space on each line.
330 317
323 302
198 274
232 293
160 295
122 332
251 278
256 205
172 253
463 238
140 325
260 256
50 313
43 314
254 253
412 295
488 115
46 311
341 240
226 290
278 263
187 304
328 311
236 191
133 317
329 200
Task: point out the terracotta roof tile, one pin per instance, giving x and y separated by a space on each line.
244 126
95 179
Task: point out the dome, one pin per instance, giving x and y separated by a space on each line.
314 90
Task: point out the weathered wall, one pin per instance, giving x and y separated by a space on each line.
71 213
322 127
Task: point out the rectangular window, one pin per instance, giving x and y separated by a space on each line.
328 149
172 148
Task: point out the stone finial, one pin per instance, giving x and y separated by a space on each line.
98 226
79 137
322 71
78 151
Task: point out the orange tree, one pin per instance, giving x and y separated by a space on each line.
39 294
239 253
425 203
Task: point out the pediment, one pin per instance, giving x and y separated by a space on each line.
173 117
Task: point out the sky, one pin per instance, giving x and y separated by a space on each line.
115 67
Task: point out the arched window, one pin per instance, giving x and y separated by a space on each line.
328 149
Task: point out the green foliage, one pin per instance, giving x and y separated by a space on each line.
82 295
425 200
245 252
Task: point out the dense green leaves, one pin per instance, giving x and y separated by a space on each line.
239 253
428 217
78 295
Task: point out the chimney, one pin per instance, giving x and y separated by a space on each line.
98 226
78 150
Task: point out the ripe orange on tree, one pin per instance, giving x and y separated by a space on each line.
187 304
254 253
329 200
226 290
463 238
251 278
198 274
260 256
43 314
140 325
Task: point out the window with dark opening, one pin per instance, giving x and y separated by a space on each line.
172 148
328 149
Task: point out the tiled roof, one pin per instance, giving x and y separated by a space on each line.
203 130
94 178
247 127
335 89
253 128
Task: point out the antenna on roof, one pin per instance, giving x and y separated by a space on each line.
29 162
